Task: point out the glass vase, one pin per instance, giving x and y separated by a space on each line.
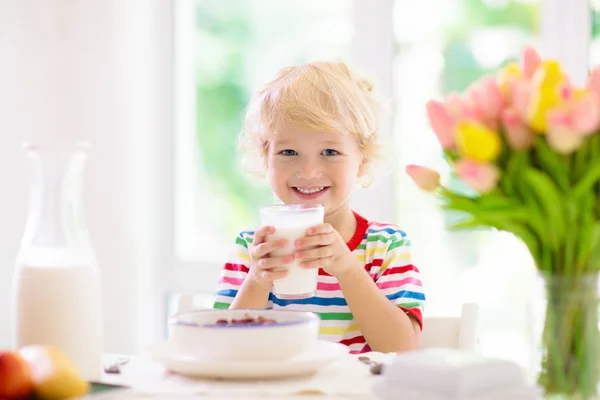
56 292
566 338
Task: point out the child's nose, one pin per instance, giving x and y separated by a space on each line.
309 170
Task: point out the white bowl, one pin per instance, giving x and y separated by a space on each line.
196 333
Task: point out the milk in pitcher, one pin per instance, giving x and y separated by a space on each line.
57 302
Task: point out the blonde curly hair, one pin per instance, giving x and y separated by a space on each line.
318 96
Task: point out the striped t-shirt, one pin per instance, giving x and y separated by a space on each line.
385 251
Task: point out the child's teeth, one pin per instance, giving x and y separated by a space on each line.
309 191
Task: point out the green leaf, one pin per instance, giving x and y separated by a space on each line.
545 261
450 156
571 242
536 221
458 204
553 163
594 259
580 161
551 202
586 244
582 231
586 184
594 148
518 215
492 206
517 162
497 200
504 223
470 223
508 185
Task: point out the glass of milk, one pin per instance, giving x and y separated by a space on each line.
291 221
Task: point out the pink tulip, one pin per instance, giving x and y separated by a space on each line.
562 137
487 98
442 123
455 104
531 61
593 81
585 114
480 177
518 134
475 106
427 179
473 109
520 94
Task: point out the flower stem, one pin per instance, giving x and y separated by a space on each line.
571 338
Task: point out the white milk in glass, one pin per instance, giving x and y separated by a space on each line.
291 222
57 298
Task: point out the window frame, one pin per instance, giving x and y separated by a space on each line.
566 30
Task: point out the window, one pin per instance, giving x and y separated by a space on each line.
226 50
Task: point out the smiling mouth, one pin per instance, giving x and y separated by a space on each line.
309 192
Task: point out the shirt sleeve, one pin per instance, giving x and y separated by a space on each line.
400 280
234 272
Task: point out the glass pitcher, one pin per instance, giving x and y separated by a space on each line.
56 296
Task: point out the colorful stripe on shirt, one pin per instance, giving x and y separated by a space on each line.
385 252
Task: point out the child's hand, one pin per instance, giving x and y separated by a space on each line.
262 264
323 247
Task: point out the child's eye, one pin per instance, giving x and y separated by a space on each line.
330 152
288 152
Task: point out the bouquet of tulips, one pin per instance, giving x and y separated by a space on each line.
527 141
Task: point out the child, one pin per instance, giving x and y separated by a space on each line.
314 132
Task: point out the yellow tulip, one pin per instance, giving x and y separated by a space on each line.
549 75
545 94
477 142
508 74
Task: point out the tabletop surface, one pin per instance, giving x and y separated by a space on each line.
116 387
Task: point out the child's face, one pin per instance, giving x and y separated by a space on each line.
311 167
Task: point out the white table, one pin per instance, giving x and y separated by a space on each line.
125 394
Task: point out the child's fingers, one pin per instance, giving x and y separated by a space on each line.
261 234
320 263
262 249
271 275
319 229
319 252
274 262
324 239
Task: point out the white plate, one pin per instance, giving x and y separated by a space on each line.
318 356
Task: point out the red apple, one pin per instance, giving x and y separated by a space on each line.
15 381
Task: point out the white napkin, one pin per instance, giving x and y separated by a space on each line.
348 377
457 374
512 393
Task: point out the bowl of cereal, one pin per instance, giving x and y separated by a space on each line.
244 335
